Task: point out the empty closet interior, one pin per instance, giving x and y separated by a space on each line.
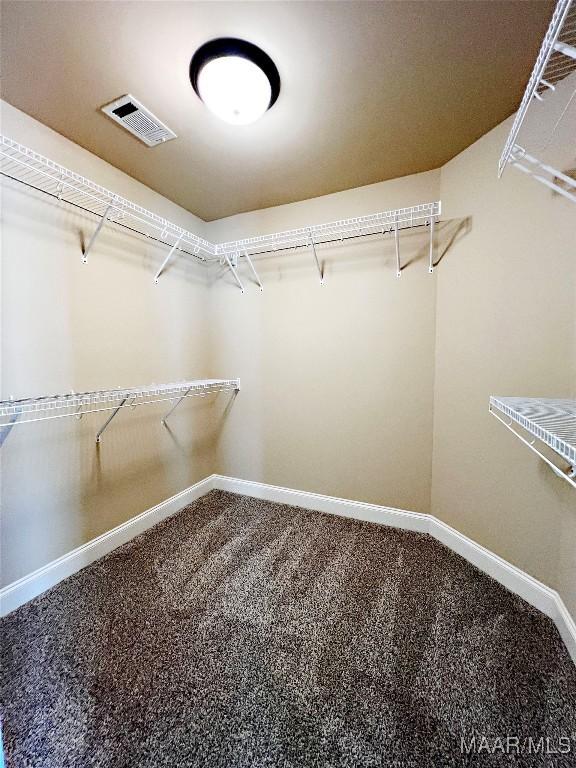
288 383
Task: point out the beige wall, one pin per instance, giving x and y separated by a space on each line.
66 326
505 325
337 380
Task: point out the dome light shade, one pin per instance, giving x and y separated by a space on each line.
234 89
235 79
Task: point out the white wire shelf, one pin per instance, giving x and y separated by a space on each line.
551 421
78 404
361 226
35 170
38 172
556 60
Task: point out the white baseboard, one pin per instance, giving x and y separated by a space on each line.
37 582
534 592
373 513
566 626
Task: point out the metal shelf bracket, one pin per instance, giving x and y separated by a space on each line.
230 262
176 404
397 246
168 257
109 419
567 50
251 265
96 233
313 246
431 252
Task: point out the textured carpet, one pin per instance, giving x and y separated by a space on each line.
241 633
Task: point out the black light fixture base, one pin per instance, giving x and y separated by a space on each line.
232 46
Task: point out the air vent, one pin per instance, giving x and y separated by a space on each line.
138 120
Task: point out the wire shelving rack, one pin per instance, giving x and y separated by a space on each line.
550 421
24 165
556 60
78 404
35 170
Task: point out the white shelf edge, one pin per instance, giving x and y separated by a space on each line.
74 404
556 411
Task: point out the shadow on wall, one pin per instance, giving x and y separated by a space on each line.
451 232
226 410
221 414
138 250
186 433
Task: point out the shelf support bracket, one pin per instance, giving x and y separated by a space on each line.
249 260
567 50
108 420
431 253
176 404
167 259
96 233
318 267
60 188
78 414
518 154
234 272
397 245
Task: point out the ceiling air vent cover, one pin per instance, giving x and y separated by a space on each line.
138 120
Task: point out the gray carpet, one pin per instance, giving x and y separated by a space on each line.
245 634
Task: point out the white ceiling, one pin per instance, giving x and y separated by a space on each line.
370 90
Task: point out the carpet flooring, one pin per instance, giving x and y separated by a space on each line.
245 634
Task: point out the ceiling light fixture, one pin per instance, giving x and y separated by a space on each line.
236 80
